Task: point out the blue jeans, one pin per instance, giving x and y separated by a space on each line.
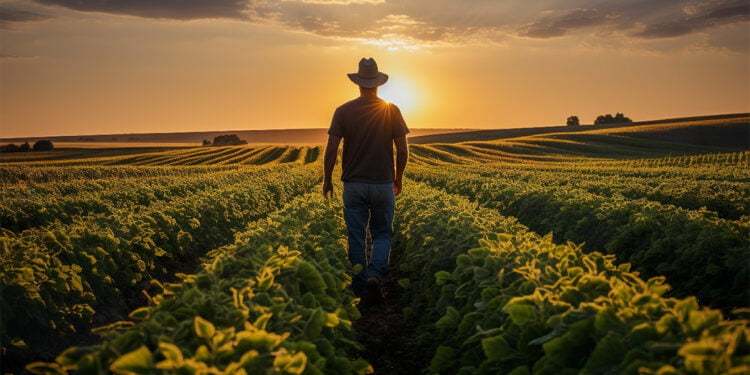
371 203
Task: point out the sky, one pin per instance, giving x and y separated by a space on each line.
115 66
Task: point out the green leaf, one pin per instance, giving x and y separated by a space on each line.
684 307
702 319
141 313
449 320
203 328
262 321
443 359
170 351
442 277
290 364
608 353
265 279
258 340
607 320
360 366
699 355
248 358
315 323
139 361
332 320
567 349
44 368
642 333
357 268
202 354
404 283
496 348
557 332
520 312
310 277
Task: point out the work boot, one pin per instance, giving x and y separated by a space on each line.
374 292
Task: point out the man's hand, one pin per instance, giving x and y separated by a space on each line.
329 161
402 154
327 189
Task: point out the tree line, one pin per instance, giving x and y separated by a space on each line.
618 118
43 145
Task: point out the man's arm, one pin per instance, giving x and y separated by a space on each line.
329 161
402 155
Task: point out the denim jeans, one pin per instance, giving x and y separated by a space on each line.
371 203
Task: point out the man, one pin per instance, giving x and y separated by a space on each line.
369 126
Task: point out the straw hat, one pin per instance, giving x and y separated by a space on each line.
368 75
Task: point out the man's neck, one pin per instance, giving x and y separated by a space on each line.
368 92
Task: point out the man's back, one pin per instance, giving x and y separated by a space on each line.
368 126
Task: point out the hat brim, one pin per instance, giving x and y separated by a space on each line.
369 83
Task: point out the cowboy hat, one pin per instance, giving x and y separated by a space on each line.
368 75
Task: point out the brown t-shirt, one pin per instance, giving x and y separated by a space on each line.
368 126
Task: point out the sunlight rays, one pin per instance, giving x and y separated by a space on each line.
401 93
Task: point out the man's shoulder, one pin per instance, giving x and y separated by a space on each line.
348 104
360 101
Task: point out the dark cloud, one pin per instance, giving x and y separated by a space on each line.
446 21
698 18
10 16
169 9
559 24
4 56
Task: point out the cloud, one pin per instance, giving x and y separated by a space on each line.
167 9
10 16
698 17
438 22
560 23
339 2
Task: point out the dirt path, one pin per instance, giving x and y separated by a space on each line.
390 342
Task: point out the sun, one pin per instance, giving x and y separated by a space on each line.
400 93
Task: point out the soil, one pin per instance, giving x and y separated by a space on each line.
390 341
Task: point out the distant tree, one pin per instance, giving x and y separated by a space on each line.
573 121
10 147
619 118
24 147
206 142
228 140
43 145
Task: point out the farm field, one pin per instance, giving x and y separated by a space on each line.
592 252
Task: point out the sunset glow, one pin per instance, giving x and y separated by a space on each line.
91 67
401 93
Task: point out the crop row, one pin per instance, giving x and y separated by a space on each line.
552 147
276 301
230 155
55 278
738 159
619 168
227 156
728 199
699 253
30 206
494 298
13 174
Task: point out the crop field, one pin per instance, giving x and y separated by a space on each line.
564 253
